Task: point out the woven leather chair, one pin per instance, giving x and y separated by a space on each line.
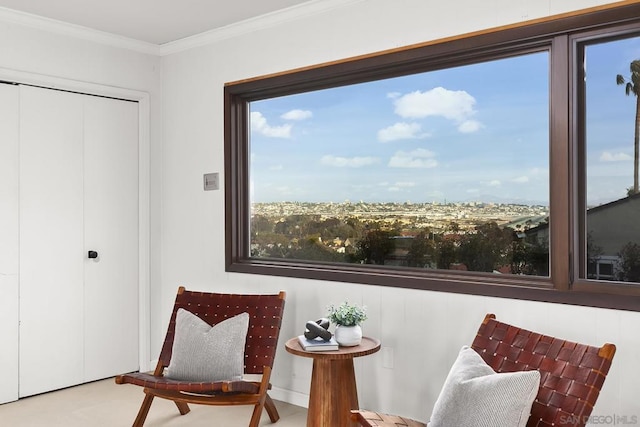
265 318
572 374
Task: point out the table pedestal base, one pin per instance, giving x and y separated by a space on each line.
333 382
333 393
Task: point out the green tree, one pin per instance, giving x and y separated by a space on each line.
488 249
446 252
530 256
632 86
519 257
270 245
374 246
311 248
593 251
295 225
261 224
421 250
630 263
356 225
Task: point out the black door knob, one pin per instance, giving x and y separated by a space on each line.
93 254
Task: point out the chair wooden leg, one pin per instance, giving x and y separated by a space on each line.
271 409
183 407
144 410
255 416
265 401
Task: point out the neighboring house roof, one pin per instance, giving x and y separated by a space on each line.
614 203
610 226
594 210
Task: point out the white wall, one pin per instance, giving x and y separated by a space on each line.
422 330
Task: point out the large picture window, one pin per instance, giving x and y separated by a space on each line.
498 164
445 169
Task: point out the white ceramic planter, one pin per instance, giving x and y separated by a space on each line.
348 336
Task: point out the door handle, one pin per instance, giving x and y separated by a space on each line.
93 254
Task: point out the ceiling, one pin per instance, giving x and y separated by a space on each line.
153 21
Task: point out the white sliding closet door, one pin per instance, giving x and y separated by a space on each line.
111 230
51 240
9 139
78 193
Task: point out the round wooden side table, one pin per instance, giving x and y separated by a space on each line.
333 382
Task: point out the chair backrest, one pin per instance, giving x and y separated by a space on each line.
572 374
265 318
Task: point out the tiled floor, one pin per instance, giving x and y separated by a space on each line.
105 404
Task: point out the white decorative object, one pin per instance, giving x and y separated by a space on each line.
347 318
348 336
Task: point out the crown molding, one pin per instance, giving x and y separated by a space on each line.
243 27
77 31
253 24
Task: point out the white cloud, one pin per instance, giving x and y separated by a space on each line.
458 106
297 115
284 190
540 172
606 156
352 162
494 183
401 130
259 124
420 158
469 126
398 186
276 168
521 179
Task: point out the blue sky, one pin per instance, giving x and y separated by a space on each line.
473 133
610 120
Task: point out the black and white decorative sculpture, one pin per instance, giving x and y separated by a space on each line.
319 328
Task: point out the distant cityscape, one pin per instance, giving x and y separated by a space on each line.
472 236
477 236
436 217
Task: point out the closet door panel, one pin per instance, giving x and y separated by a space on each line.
111 230
51 240
9 220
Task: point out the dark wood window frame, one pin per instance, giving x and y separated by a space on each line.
561 36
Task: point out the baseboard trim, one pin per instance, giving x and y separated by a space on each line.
290 396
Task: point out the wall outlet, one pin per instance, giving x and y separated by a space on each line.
211 181
387 357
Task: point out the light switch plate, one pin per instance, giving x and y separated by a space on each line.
211 181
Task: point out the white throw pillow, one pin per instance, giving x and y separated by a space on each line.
474 395
203 353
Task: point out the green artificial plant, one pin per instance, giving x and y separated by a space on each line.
347 314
